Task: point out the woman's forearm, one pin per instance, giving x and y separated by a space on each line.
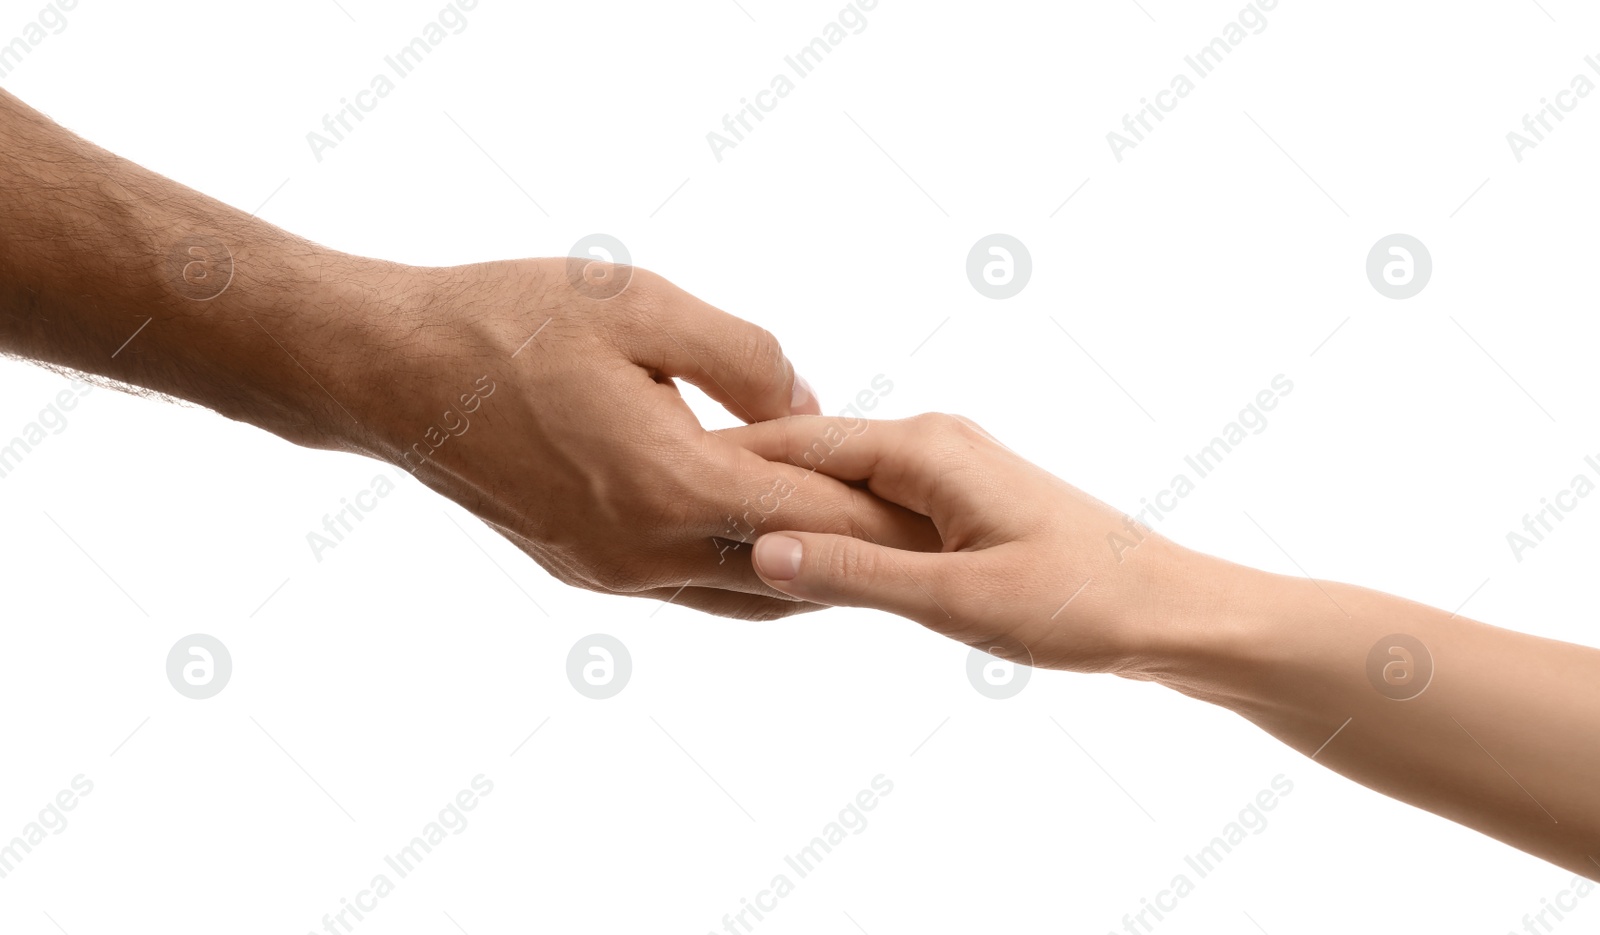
1487 727
1490 728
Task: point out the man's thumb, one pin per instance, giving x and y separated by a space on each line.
849 572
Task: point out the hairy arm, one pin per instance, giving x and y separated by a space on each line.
1488 727
540 394
109 269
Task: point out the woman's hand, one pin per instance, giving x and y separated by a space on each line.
1032 569
1469 721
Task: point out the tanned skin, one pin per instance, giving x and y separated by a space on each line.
540 394
584 454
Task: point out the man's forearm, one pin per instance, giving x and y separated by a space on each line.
110 269
1488 727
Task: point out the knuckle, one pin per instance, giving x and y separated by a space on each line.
643 302
763 358
955 426
970 428
935 423
953 431
846 560
646 286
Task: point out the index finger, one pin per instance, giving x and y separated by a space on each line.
910 462
781 496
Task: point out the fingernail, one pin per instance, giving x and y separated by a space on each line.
803 394
777 557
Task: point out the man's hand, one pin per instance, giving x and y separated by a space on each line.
537 393
530 394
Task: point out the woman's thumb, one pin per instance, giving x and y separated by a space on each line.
849 572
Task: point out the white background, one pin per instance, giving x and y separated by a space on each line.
1224 250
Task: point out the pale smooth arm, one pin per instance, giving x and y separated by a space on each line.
1488 727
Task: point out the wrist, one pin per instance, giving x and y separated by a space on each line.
419 349
295 344
1217 627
